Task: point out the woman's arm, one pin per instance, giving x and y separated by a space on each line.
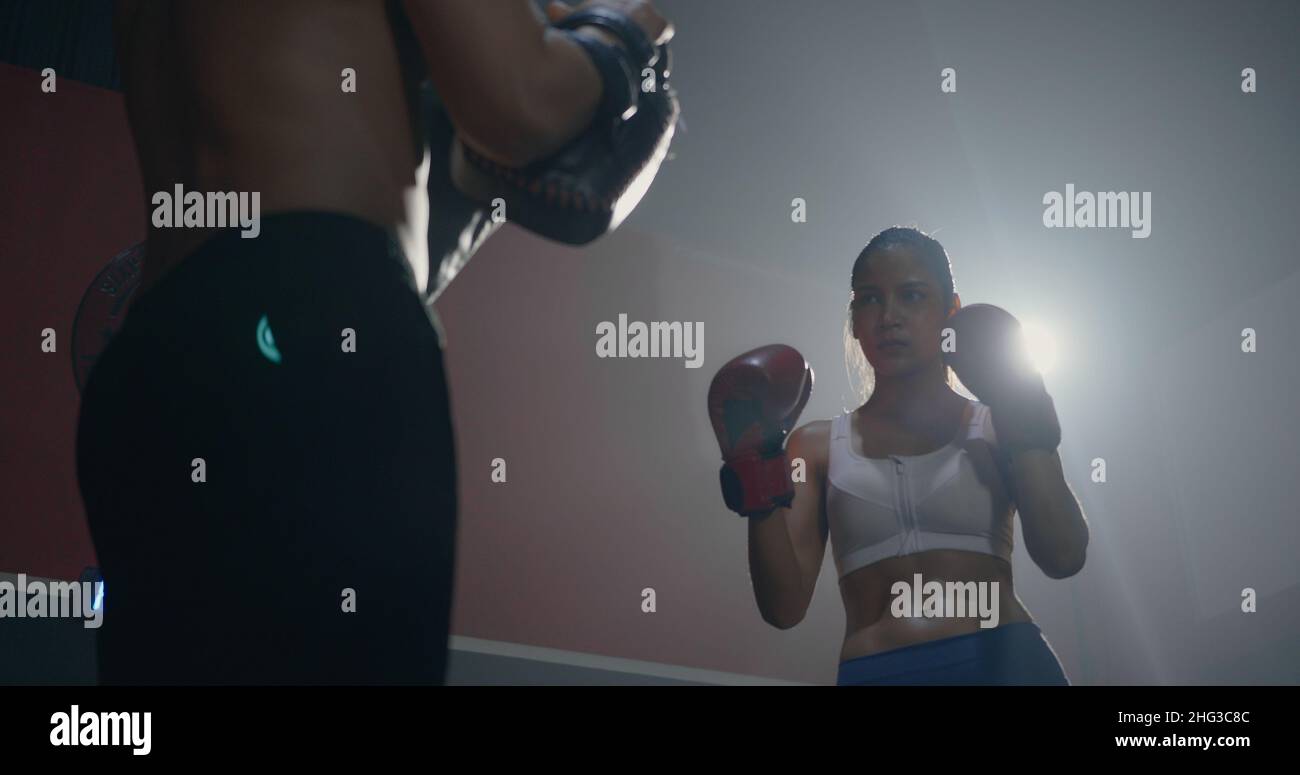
786 547
1056 531
990 360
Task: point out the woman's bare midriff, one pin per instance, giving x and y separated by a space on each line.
871 627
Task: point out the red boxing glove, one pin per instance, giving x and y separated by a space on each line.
754 401
990 358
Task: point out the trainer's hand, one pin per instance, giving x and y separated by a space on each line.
990 358
754 401
586 187
656 27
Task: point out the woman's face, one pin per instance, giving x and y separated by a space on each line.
898 312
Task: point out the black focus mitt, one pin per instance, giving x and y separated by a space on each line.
591 184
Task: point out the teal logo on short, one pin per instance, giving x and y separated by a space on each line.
266 342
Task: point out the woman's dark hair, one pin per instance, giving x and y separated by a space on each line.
922 245
928 250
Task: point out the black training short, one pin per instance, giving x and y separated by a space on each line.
319 546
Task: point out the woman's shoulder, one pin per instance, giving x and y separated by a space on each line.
811 441
814 430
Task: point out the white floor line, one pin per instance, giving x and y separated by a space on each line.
613 664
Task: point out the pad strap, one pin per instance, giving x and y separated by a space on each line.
639 46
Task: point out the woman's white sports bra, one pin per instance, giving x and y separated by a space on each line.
951 498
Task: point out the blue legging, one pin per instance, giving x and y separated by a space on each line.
1014 654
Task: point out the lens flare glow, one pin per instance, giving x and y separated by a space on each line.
1040 346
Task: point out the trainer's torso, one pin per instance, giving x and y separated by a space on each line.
247 96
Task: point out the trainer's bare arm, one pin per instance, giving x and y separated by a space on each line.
515 89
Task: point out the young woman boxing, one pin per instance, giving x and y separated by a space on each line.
917 485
